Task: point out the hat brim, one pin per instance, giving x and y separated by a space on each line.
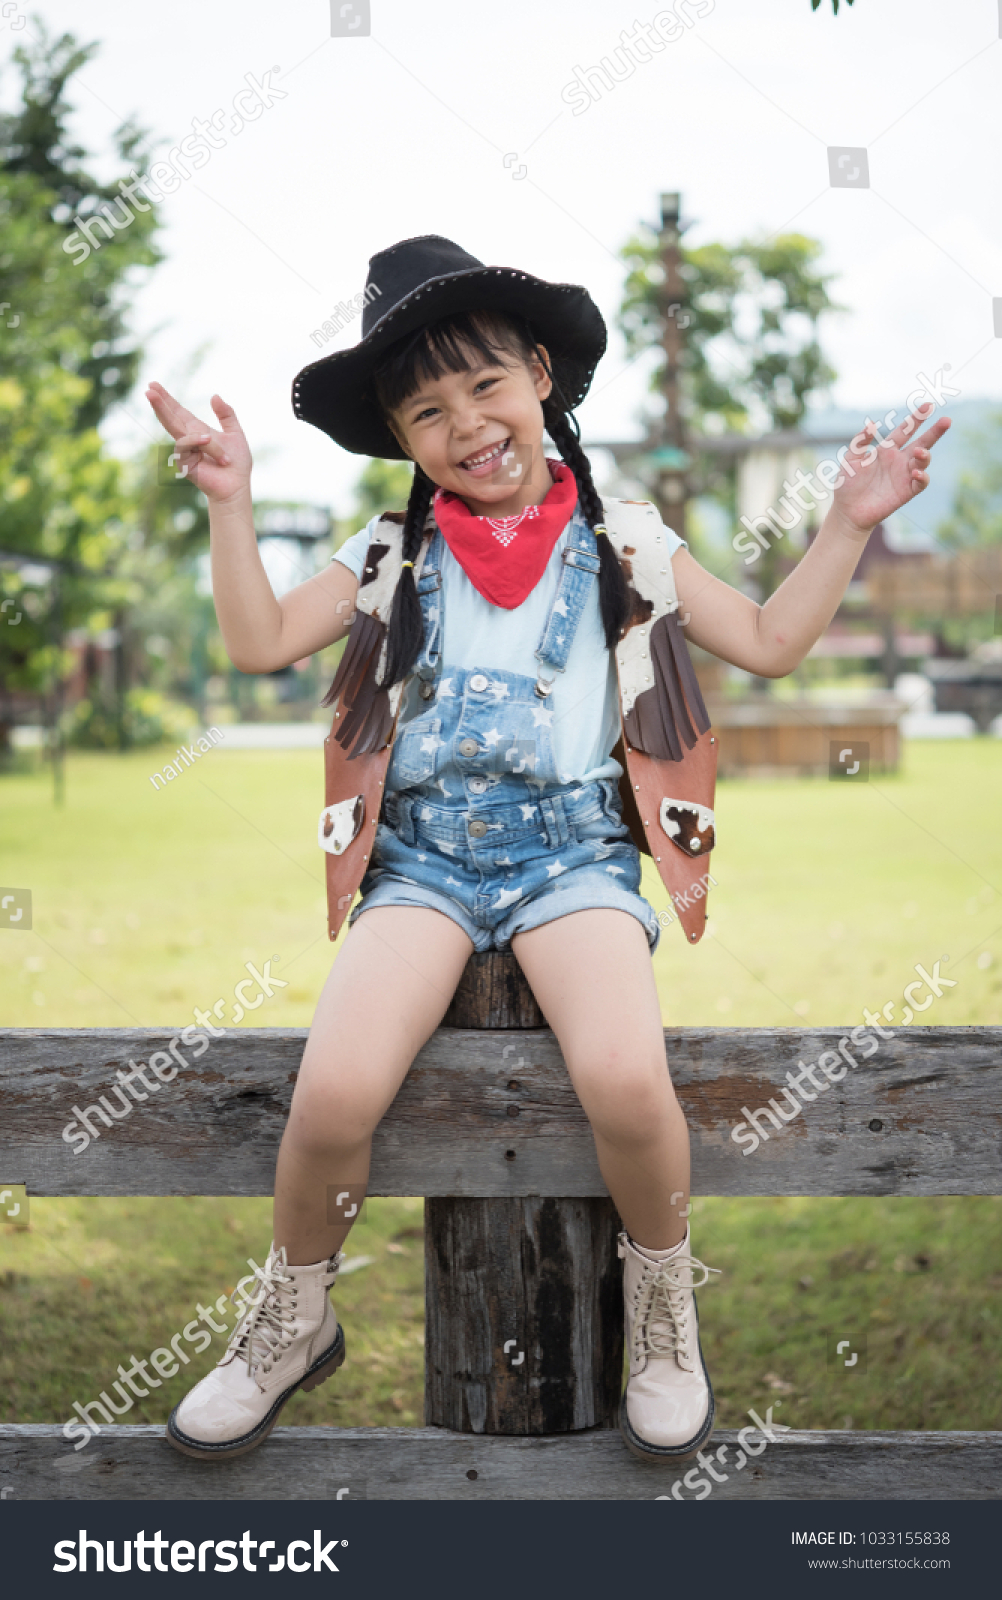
336 393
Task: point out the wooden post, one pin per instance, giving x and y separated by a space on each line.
524 1314
671 456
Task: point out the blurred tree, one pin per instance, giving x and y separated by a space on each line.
381 486
752 357
70 314
975 518
66 359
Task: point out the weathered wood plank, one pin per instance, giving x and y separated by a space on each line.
523 1315
137 1463
922 1116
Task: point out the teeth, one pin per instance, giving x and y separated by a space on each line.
488 455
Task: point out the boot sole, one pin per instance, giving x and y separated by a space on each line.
204 1450
670 1452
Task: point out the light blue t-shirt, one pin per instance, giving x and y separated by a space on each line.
477 634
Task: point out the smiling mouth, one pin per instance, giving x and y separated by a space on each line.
486 460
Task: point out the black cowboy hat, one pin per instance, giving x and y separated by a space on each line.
416 282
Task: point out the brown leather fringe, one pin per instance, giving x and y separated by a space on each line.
366 718
661 718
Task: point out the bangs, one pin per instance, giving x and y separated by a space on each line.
459 343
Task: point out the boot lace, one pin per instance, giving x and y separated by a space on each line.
661 1323
260 1335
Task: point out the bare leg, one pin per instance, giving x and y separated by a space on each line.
387 992
592 976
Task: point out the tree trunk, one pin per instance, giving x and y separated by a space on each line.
524 1318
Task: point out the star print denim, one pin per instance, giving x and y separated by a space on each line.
476 822
538 858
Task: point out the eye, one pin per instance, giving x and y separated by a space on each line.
429 411
485 383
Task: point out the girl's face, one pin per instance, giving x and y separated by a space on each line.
479 433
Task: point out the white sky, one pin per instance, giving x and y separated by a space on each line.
406 131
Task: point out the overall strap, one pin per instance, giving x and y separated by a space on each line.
428 582
580 563
580 566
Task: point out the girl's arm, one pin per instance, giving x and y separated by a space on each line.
771 639
261 633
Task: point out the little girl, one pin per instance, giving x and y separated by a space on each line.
501 824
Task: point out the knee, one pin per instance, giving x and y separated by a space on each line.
628 1101
321 1126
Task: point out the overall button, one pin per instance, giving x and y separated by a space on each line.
426 690
478 785
468 747
477 830
478 682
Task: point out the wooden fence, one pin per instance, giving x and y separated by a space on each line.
519 1241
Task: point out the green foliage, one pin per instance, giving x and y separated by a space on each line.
71 317
975 517
171 516
61 499
382 486
66 359
751 353
816 3
146 718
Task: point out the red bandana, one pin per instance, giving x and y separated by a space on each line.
505 557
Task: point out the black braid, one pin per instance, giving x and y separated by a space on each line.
614 598
405 635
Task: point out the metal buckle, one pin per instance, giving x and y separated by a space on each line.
575 556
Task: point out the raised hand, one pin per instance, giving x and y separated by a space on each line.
216 461
886 473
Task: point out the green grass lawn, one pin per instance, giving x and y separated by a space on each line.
148 903
96 1282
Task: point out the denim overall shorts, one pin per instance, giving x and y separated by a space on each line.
477 822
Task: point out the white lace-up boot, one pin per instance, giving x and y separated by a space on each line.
667 1409
289 1339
